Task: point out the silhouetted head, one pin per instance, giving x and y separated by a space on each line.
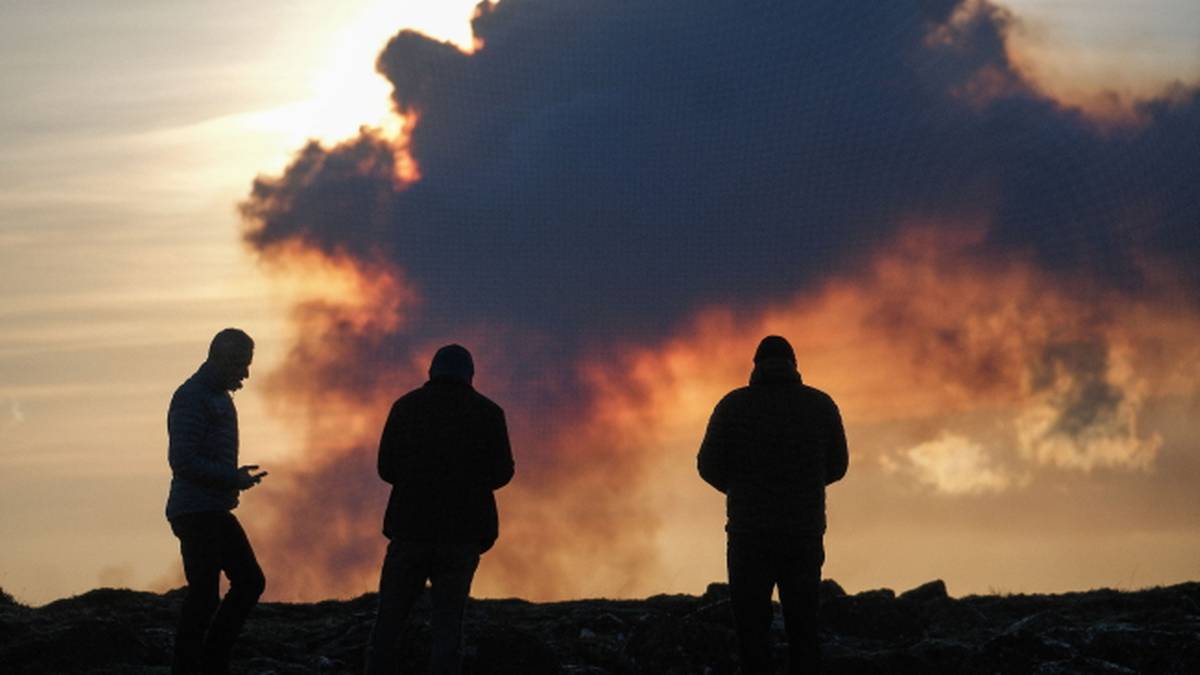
452 362
229 357
774 362
774 347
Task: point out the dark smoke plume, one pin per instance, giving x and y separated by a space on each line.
596 173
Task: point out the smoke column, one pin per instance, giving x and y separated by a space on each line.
609 203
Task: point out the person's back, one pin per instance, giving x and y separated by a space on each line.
442 450
779 442
771 448
202 429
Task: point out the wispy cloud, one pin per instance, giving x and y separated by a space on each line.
16 413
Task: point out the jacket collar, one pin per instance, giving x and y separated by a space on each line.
207 375
775 371
448 381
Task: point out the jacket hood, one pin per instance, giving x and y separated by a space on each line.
452 361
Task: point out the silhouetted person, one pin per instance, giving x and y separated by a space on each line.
444 450
772 447
205 481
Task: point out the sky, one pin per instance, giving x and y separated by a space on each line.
973 221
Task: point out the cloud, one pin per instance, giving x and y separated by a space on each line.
957 465
1084 411
16 414
610 202
713 152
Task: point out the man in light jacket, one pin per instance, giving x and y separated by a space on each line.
205 482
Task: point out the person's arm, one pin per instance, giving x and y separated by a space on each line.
501 467
390 446
712 461
186 430
837 456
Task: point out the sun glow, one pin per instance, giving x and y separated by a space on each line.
347 93
1108 58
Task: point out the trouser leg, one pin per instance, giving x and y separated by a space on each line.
246 584
750 586
199 545
454 568
406 566
799 589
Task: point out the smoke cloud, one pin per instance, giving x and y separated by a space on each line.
610 202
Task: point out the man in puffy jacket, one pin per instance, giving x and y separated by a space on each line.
771 448
444 449
205 481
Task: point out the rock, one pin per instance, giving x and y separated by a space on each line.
940 652
88 643
1149 651
876 595
716 592
1082 664
678 605
829 590
667 645
506 649
922 631
934 590
718 613
606 623
1020 652
874 615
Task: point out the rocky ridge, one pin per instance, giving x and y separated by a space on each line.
923 631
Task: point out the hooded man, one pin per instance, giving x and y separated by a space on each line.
205 481
444 449
771 448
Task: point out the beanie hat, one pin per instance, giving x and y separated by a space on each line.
774 347
452 361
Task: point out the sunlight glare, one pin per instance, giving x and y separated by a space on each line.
1105 56
347 93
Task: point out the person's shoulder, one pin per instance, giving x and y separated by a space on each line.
736 397
411 397
197 397
817 395
191 390
486 403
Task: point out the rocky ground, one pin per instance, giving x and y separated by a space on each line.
920 631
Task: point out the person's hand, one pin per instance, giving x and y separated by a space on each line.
247 478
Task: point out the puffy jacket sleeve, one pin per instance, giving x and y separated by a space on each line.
837 456
713 459
187 425
500 469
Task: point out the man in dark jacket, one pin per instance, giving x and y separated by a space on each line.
444 450
205 481
772 447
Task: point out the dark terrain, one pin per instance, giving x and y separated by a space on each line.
920 631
